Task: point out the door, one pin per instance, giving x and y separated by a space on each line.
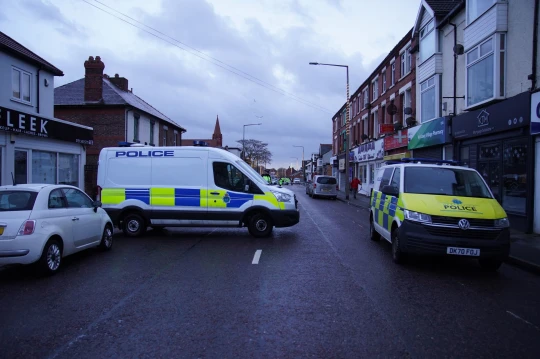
489 166
21 166
227 193
57 215
86 222
380 212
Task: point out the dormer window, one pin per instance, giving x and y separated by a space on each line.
475 8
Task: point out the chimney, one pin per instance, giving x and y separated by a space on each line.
93 79
120 82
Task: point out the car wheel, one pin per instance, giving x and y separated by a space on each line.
373 234
51 258
107 238
490 264
134 225
260 225
397 254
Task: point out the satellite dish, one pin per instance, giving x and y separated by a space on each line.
391 109
364 137
397 126
410 121
407 110
459 49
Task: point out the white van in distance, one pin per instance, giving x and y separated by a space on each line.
189 186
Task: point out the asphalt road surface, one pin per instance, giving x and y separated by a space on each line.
320 289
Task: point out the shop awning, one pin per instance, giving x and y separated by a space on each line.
397 156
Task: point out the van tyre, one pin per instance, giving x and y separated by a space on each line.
373 234
51 258
397 252
106 238
134 225
260 225
490 264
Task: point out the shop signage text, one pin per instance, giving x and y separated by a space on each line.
396 140
386 128
506 115
32 125
369 151
535 113
429 134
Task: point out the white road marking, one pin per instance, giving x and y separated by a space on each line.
257 256
523 320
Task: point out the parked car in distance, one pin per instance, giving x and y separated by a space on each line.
322 186
41 224
296 181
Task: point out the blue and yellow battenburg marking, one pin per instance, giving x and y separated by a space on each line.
185 197
385 208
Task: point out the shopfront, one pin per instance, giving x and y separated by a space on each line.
395 145
36 149
431 139
495 141
535 131
369 157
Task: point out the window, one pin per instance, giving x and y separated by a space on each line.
57 199
502 69
165 131
407 102
384 81
1 150
403 60
514 197
326 180
406 61
136 117
68 169
228 177
428 100
375 85
480 73
448 152
393 74
21 166
376 124
427 41
77 199
17 200
175 138
385 180
366 97
396 179
152 124
43 167
464 156
21 84
475 8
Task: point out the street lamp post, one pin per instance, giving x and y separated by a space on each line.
303 167
296 161
347 144
244 138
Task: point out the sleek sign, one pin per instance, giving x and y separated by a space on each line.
396 140
502 116
32 125
431 133
535 113
371 151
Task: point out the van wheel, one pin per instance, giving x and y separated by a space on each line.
260 225
134 225
51 258
490 264
107 238
373 234
397 254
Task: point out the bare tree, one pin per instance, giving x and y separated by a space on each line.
256 152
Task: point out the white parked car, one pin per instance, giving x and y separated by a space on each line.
42 223
296 181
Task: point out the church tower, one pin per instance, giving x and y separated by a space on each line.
217 137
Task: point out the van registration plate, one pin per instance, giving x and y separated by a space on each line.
472 252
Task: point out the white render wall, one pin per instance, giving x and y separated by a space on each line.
447 34
144 128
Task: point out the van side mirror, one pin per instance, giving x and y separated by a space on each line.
390 191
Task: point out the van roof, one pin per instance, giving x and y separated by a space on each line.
222 152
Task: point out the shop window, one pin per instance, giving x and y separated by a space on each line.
448 153
68 169
464 156
490 151
21 166
515 176
43 167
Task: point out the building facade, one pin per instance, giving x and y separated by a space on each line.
35 147
116 114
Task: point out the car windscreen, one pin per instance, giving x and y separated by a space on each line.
445 181
326 180
17 200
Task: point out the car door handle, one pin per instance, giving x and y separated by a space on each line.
75 219
215 193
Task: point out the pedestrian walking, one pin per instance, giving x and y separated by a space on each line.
354 185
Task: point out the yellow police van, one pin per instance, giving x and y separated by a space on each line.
143 186
436 207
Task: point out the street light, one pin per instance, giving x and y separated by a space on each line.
346 127
303 167
244 138
296 161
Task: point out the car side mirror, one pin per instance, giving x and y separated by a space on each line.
96 205
390 191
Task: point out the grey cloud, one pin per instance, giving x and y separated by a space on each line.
45 11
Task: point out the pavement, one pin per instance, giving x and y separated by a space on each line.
319 289
524 251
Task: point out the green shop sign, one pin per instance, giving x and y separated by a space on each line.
431 133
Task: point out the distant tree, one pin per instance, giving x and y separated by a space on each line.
256 152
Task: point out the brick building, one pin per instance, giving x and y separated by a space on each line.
381 110
115 113
216 141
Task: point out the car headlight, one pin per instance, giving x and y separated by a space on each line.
417 217
502 223
282 197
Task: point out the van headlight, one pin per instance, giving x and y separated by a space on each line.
417 216
502 223
282 197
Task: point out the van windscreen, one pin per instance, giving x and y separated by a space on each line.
326 180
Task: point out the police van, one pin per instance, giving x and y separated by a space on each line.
424 206
193 186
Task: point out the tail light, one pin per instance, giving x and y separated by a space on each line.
98 196
27 227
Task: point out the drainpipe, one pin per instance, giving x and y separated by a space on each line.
532 77
38 84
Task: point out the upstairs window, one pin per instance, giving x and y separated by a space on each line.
20 85
475 8
136 120
427 41
375 86
152 125
428 99
393 75
383 81
366 97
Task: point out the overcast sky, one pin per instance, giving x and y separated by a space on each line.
271 40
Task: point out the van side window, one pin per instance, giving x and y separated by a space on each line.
229 177
385 180
395 179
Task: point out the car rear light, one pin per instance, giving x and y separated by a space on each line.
27 227
98 196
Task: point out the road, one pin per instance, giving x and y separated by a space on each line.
320 289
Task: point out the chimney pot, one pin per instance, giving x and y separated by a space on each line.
93 79
116 75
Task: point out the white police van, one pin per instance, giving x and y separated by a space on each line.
142 186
